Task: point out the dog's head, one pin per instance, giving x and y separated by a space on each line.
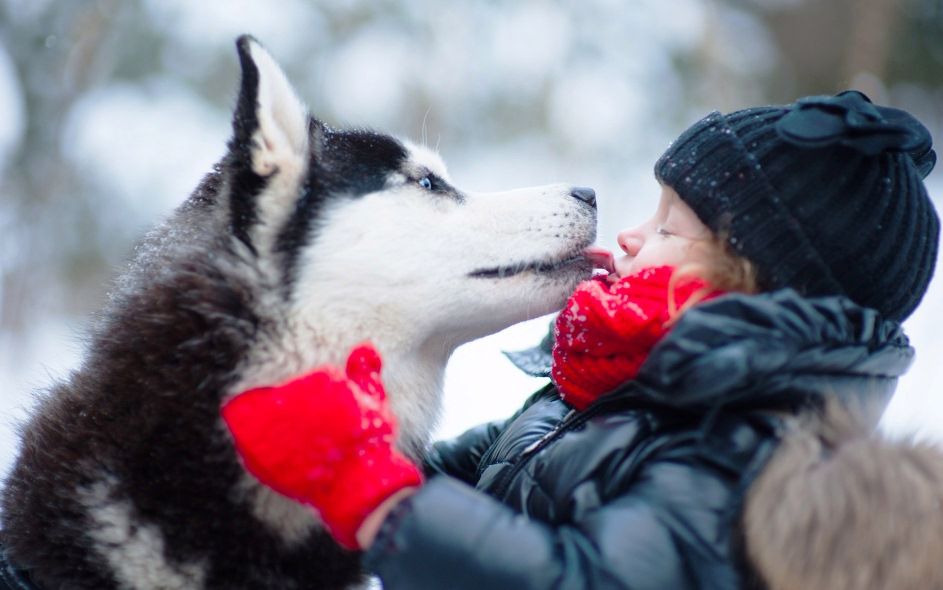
361 227
363 236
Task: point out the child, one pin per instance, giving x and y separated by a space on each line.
788 244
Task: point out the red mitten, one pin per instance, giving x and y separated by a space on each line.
325 439
605 331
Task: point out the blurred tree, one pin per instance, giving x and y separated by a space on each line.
828 45
61 50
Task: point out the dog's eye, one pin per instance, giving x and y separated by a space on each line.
426 182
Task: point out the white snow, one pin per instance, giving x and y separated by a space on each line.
12 110
591 109
51 350
150 143
206 25
368 75
530 42
482 385
917 407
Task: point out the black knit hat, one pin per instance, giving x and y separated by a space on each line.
825 196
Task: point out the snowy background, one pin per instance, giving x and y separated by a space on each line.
111 110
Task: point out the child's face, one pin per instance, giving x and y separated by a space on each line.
670 237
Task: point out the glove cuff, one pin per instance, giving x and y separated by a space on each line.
361 487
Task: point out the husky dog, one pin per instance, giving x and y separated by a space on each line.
302 242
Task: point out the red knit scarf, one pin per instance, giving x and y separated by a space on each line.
606 330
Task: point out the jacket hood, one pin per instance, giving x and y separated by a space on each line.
771 349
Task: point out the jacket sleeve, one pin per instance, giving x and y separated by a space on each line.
669 529
461 456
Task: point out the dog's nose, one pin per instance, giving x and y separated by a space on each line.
585 194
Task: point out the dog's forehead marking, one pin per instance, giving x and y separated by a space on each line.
424 158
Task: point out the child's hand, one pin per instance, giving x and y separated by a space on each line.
325 439
607 328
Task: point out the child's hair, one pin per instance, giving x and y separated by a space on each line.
726 271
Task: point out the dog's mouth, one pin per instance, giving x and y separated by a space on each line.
589 257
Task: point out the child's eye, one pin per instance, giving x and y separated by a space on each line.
660 230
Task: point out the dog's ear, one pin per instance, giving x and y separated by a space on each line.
269 120
269 148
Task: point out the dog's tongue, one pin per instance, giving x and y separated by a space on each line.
600 258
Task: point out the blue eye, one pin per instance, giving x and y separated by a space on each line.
426 182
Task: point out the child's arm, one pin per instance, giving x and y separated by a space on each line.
667 530
460 457
326 440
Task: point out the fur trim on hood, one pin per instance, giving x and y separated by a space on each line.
842 507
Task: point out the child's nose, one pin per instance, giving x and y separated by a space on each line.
630 241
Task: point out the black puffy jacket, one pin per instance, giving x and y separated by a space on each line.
643 489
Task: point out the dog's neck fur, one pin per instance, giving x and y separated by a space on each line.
420 372
413 365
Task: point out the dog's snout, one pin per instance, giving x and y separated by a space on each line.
585 194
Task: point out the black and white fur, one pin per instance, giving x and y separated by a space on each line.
303 241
